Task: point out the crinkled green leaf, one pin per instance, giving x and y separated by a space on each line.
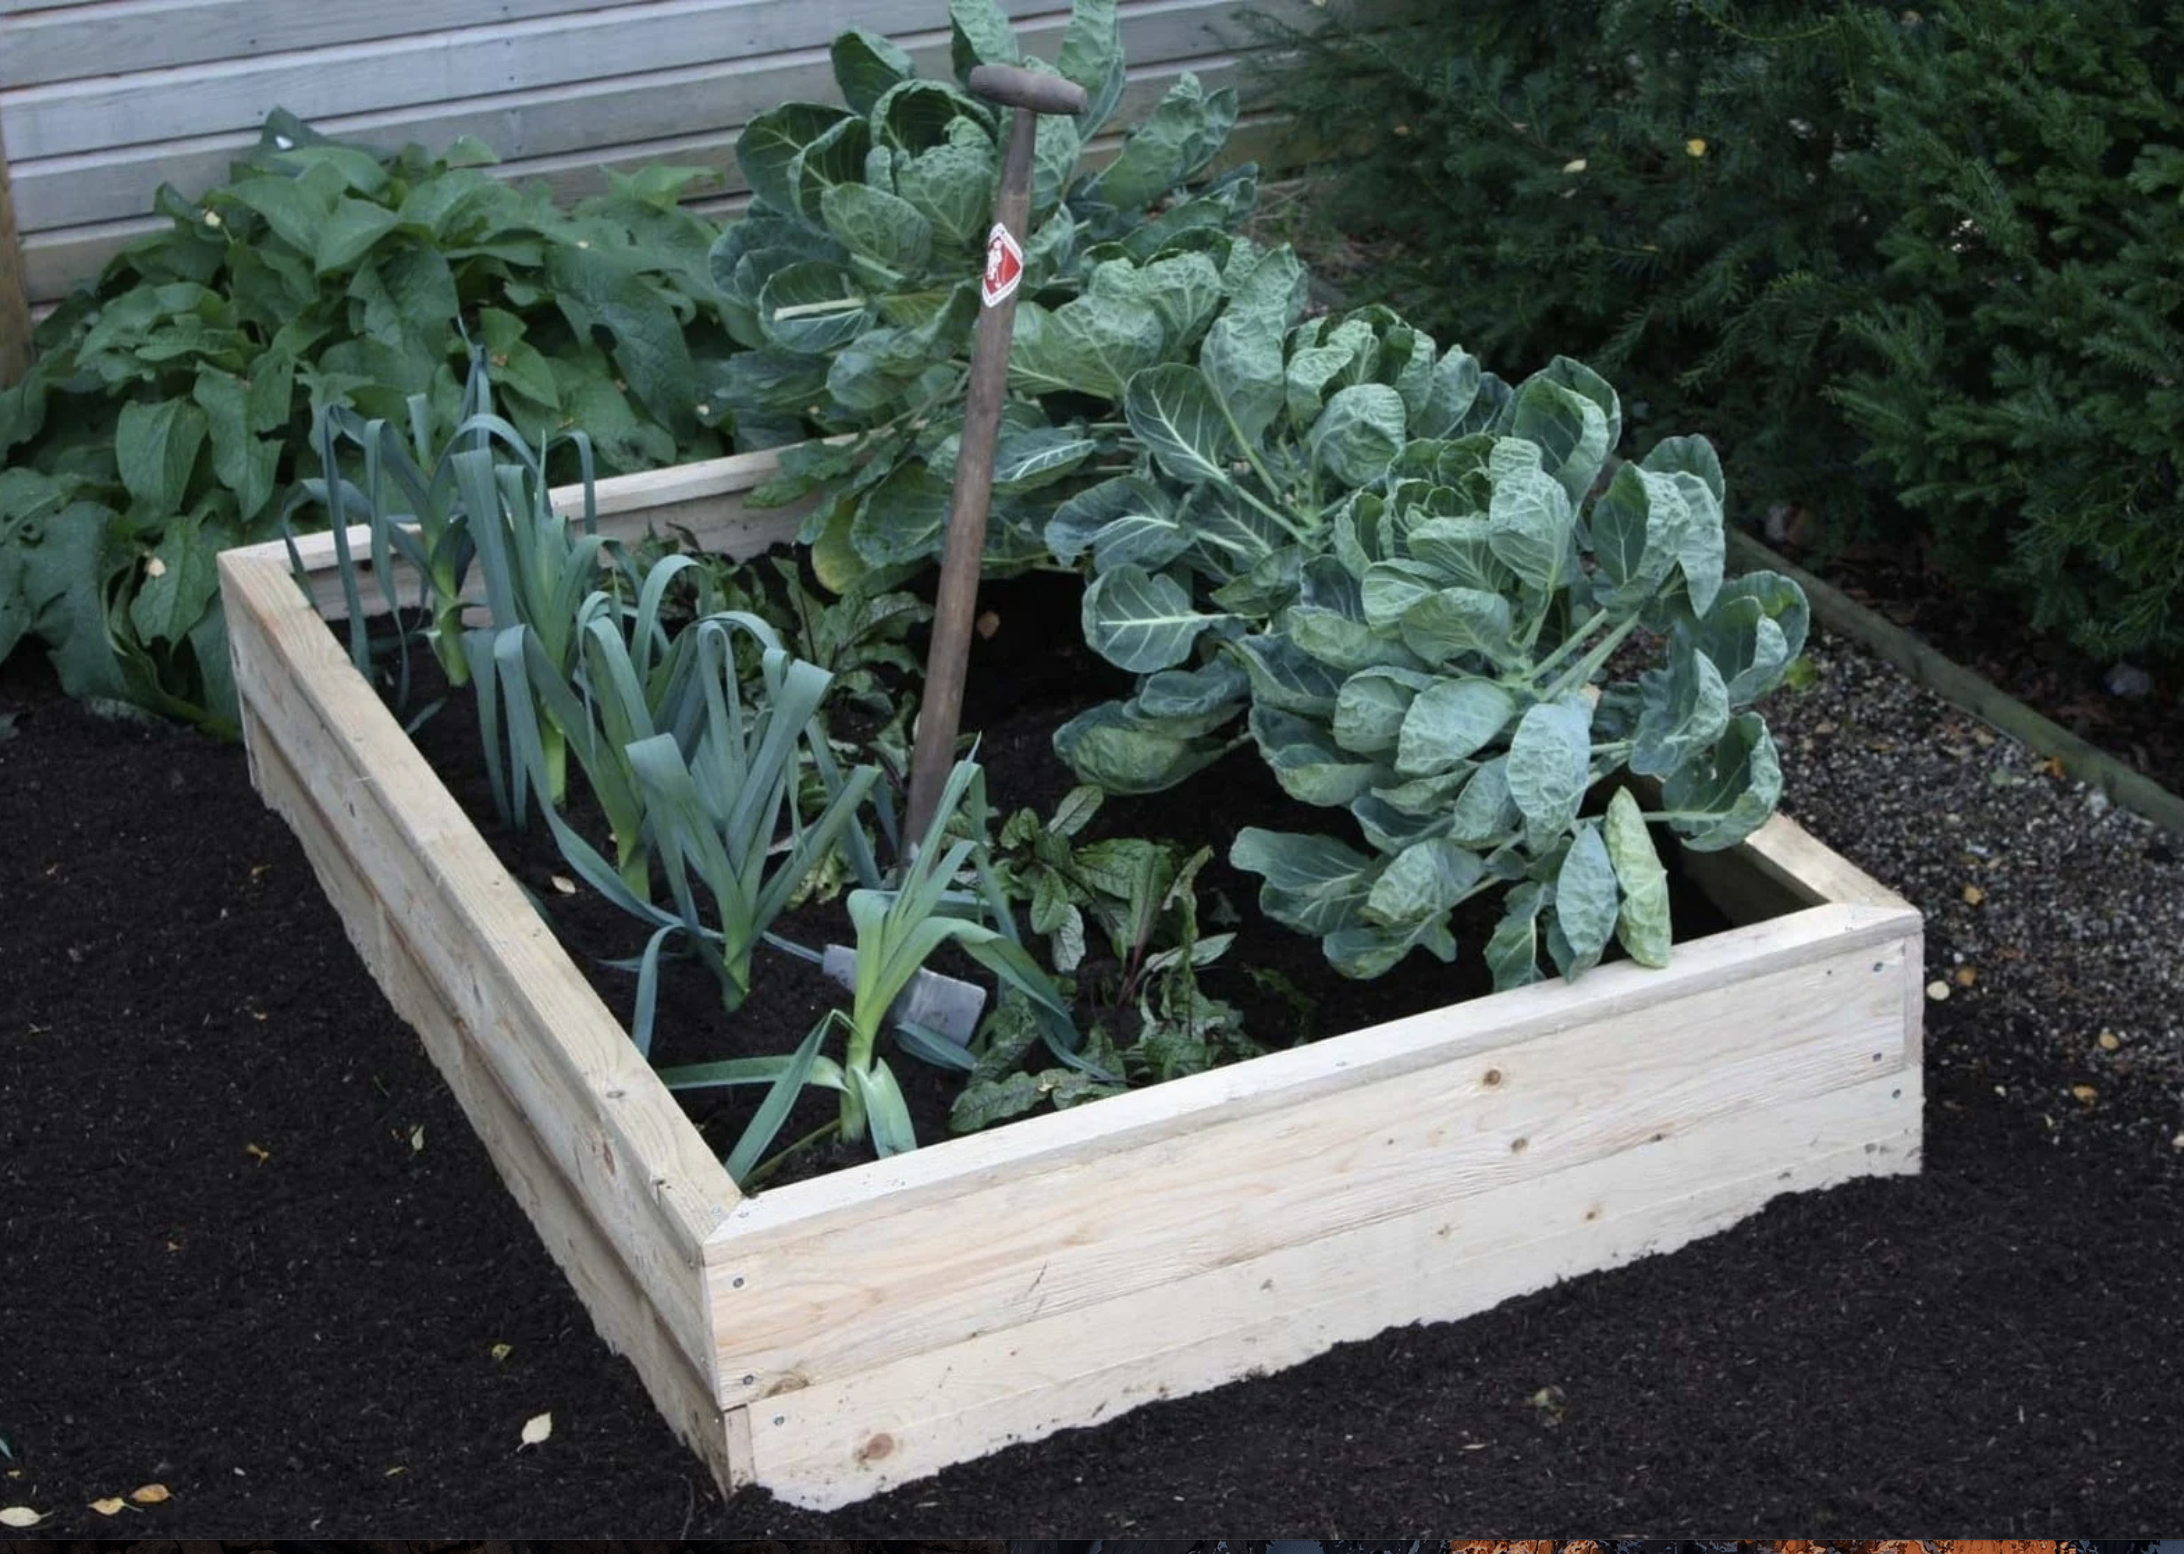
1450 721
1685 708
866 65
1722 796
1586 900
1512 953
1141 621
1642 921
1549 757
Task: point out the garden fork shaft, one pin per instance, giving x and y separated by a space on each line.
1030 94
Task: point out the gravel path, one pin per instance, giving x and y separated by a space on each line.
2055 921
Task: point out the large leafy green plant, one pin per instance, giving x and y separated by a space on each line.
1414 576
172 403
853 281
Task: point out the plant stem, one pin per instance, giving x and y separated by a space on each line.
814 309
1583 671
1570 644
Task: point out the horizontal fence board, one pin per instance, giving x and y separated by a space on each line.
123 37
441 67
713 100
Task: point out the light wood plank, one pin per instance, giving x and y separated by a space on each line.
755 38
1483 1096
595 1267
702 498
601 1113
124 37
109 179
840 1440
14 289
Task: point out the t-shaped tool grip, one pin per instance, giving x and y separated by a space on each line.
1015 87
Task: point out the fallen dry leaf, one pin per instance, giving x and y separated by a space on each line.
1966 976
149 1494
113 1505
502 1351
1973 895
988 624
2110 1041
20 1516
564 884
257 1154
417 1137
2084 1095
537 1428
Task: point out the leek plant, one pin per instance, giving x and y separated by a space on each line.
484 499
898 930
711 786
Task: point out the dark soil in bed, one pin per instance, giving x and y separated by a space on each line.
250 1250
1027 679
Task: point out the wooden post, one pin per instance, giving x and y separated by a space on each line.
14 299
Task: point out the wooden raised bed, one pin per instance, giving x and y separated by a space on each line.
837 1336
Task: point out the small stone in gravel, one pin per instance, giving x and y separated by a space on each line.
1937 990
2084 1095
2129 680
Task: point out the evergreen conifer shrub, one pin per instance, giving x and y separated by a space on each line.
2023 389
1913 267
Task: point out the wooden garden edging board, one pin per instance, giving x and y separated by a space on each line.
834 1337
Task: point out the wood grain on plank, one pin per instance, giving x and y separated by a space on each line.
1460 1104
843 1438
595 1266
600 1112
14 287
124 37
702 499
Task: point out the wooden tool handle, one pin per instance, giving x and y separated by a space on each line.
1019 88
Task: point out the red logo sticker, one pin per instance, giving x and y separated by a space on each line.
1004 266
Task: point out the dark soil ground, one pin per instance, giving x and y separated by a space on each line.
250 1251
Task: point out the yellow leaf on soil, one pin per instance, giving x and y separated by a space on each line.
112 1506
148 1494
502 1351
1973 895
1966 976
2110 1041
537 1428
20 1516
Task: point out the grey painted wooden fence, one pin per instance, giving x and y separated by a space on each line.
101 101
